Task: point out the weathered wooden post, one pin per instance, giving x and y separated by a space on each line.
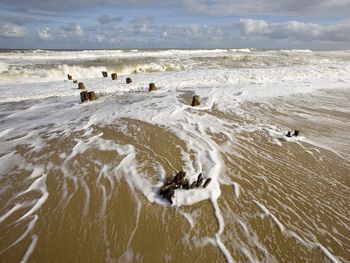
92 95
104 74
199 180
84 96
152 87
81 85
75 81
296 133
206 182
69 77
128 80
196 101
114 76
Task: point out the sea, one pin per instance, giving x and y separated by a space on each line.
80 182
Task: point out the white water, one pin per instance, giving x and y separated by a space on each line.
57 102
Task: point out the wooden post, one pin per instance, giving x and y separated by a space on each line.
196 101
84 96
152 87
206 182
128 80
114 76
81 85
92 95
75 81
69 77
296 133
104 74
199 180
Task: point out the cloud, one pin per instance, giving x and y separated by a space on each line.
107 19
306 8
23 20
72 30
294 30
11 30
325 8
69 5
45 33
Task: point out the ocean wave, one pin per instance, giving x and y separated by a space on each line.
3 67
42 73
49 55
296 50
242 50
38 74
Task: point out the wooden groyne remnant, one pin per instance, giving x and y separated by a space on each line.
114 76
295 134
128 80
179 181
152 87
104 74
196 101
81 85
87 96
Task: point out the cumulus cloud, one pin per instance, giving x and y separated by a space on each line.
11 30
295 30
44 33
72 30
194 34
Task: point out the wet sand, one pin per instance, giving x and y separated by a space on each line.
281 200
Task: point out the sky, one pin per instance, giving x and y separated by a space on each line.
102 24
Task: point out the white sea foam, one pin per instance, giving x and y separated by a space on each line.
296 50
3 67
30 249
291 233
243 50
10 212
